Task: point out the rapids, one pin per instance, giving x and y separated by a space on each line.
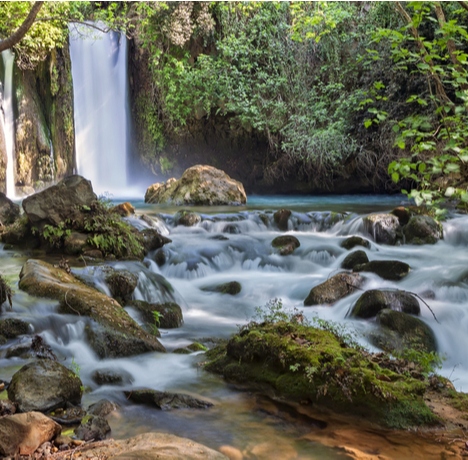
197 258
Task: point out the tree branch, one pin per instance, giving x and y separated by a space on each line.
17 36
464 5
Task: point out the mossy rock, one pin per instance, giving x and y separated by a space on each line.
385 228
309 364
122 283
372 302
281 218
353 259
286 244
423 230
392 270
196 347
231 288
170 313
92 428
353 241
12 327
333 289
186 218
182 351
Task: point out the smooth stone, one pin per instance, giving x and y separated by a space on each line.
93 427
281 218
286 244
102 408
392 270
423 230
231 288
353 259
385 228
111 377
353 241
122 283
333 289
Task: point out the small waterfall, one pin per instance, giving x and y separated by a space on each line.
99 71
9 123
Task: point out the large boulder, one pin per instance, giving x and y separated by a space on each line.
22 434
9 211
166 401
60 202
44 280
385 228
392 270
373 301
121 283
44 385
199 185
333 289
423 230
353 259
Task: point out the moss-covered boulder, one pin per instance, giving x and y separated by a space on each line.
333 289
281 218
166 401
122 283
12 327
309 364
372 302
393 270
286 244
170 314
151 239
400 332
423 230
353 241
231 288
44 385
353 259
186 218
385 228
44 280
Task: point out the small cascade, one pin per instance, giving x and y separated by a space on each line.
9 123
99 71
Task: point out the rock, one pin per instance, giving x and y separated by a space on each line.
93 427
60 202
186 218
182 351
22 434
231 453
76 243
102 408
160 257
231 288
423 230
196 347
44 385
403 215
7 407
385 228
31 348
9 211
352 241
94 254
151 239
19 234
5 293
62 440
166 401
122 283
199 185
333 289
428 294
111 377
72 415
286 244
232 229
12 327
387 269
371 302
281 218
353 259
123 209
170 313
44 280
401 332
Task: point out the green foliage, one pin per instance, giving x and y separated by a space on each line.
55 235
75 371
157 317
429 363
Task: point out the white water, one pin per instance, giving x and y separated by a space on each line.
99 70
9 124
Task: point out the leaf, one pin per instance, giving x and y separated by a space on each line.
422 167
396 128
367 123
395 177
401 144
449 192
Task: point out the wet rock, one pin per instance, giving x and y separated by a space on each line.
286 244
60 202
111 377
371 302
12 327
281 219
76 243
160 257
403 215
196 347
333 289
186 218
199 185
72 415
182 351
385 228
353 241
22 434
265 219
5 293
44 385
44 280
393 270
151 239
428 294
9 211
218 237
166 401
122 283
93 427
94 254
423 230
35 347
231 288
353 259
400 332
170 313
232 229
7 407
124 209
102 408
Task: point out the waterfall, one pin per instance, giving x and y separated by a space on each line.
9 124
99 71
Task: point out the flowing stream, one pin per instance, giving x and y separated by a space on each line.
234 244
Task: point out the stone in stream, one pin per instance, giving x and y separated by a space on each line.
34 347
166 401
192 348
22 434
371 302
231 288
286 244
93 427
393 270
186 218
102 408
334 289
281 218
123 209
170 313
111 377
121 283
199 185
423 230
400 331
353 259
7 407
353 241
44 385
13 327
151 239
402 213
160 257
385 228
9 211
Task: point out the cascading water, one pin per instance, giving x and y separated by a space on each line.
99 71
9 124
